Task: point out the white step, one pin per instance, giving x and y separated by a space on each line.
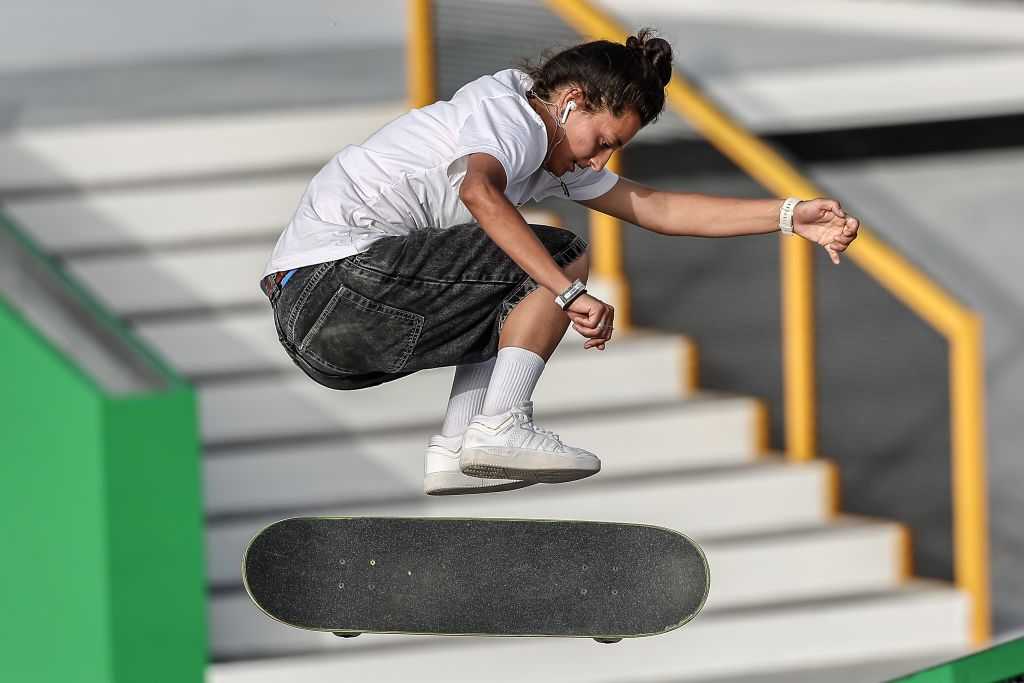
986 72
953 23
224 343
130 152
744 499
639 368
988 85
849 555
181 213
916 619
153 217
228 343
161 216
195 278
176 280
699 432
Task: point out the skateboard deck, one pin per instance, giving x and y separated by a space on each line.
496 577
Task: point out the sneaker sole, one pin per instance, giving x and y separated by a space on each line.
455 484
531 467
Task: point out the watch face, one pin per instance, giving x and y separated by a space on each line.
574 290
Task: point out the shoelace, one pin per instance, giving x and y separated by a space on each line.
543 432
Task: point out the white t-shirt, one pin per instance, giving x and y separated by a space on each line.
407 175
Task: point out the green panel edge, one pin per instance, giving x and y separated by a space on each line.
94 308
103 504
999 663
155 538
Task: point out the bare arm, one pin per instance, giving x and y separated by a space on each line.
687 213
482 192
821 221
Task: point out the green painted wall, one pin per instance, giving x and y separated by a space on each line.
994 665
155 532
52 516
100 515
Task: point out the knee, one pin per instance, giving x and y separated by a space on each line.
580 268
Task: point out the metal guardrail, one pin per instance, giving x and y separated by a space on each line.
959 325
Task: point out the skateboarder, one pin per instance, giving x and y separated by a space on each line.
407 251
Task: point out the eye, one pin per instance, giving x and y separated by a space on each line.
605 144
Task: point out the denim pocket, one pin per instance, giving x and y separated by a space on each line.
354 334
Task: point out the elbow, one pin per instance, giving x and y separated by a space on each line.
475 188
467 191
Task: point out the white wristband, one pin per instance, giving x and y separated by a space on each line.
786 216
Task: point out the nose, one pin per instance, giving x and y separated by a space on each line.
599 162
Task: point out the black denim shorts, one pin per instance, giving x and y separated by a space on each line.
433 298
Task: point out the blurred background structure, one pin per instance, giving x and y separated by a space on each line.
823 432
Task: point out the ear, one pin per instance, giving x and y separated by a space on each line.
574 93
569 106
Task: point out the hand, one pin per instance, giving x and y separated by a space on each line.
586 313
824 222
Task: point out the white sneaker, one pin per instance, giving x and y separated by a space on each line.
443 478
510 446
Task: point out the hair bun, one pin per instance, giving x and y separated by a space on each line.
655 50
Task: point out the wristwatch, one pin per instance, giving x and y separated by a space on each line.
786 216
571 293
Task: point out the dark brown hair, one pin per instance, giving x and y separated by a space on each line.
612 76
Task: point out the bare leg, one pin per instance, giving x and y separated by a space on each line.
537 323
505 429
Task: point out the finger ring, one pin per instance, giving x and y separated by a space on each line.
601 326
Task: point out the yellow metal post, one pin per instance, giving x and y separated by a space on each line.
606 264
419 56
969 473
799 399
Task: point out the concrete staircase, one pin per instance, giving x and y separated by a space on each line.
170 223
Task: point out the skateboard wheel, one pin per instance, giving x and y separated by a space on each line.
608 640
345 635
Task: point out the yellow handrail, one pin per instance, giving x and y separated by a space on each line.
903 280
959 325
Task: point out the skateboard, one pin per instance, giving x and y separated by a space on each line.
484 577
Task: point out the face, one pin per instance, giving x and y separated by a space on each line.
590 139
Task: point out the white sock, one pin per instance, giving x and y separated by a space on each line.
467 397
513 380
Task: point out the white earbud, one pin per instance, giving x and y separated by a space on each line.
568 108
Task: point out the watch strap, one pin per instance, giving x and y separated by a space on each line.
786 216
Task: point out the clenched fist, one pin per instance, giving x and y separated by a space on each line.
824 222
